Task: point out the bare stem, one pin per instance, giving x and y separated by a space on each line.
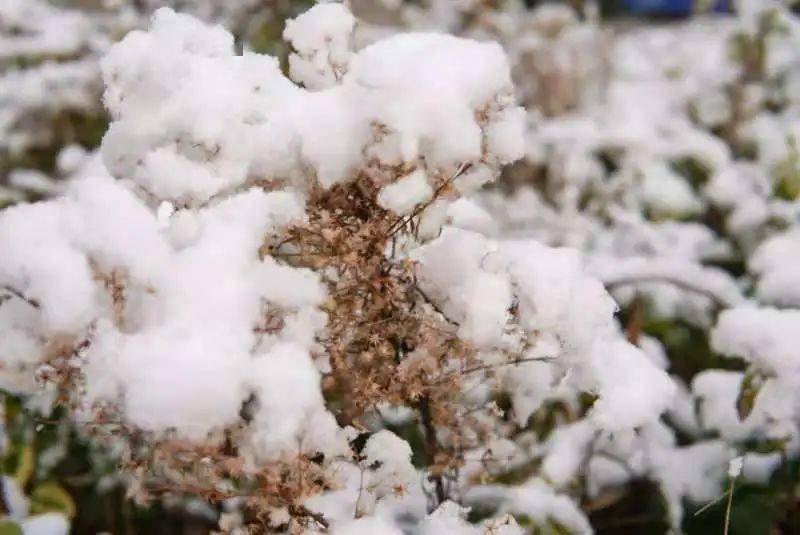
16 293
431 447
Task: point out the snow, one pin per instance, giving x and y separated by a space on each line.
46 524
773 263
554 297
536 500
407 192
373 525
762 336
321 40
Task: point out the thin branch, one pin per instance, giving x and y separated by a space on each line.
357 510
728 506
16 293
431 448
508 363
435 306
710 282
719 300
403 221
618 460
482 367
727 494
722 301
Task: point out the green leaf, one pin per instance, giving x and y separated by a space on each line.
554 527
7 527
50 497
748 391
786 173
24 464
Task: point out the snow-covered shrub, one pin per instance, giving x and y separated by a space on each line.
265 281
362 289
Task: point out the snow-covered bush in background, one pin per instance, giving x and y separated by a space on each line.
676 175
49 88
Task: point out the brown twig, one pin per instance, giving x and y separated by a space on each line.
482 367
16 293
431 448
403 221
